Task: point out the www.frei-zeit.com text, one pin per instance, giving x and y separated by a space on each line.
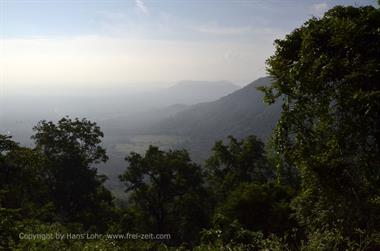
93 236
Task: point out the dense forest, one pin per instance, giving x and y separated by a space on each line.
315 185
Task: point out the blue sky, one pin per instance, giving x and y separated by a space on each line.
99 43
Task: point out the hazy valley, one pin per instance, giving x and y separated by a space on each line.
190 115
194 127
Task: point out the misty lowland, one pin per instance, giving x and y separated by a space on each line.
190 125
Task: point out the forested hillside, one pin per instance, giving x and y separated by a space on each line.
240 113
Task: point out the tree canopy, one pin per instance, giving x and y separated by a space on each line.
237 162
327 74
167 193
71 148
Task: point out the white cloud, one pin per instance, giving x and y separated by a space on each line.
141 6
319 9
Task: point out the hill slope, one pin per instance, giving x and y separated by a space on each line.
240 114
193 92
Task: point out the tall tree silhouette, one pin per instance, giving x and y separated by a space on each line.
327 73
72 147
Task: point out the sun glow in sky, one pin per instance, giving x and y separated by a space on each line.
92 43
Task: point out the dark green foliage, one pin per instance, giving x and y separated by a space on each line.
71 147
23 190
166 194
8 231
249 205
23 170
327 74
6 144
261 207
236 163
54 182
71 138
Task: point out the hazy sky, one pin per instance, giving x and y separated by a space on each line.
93 43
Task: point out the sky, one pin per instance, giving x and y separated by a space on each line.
67 44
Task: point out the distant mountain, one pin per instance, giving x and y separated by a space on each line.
128 124
193 92
240 114
148 108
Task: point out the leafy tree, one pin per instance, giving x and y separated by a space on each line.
6 145
23 190
327 74
71 148
23 170
23 181
249 204
166 193
261 207
235 163
8 231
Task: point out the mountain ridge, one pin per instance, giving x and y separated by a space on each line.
239 114
239 106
